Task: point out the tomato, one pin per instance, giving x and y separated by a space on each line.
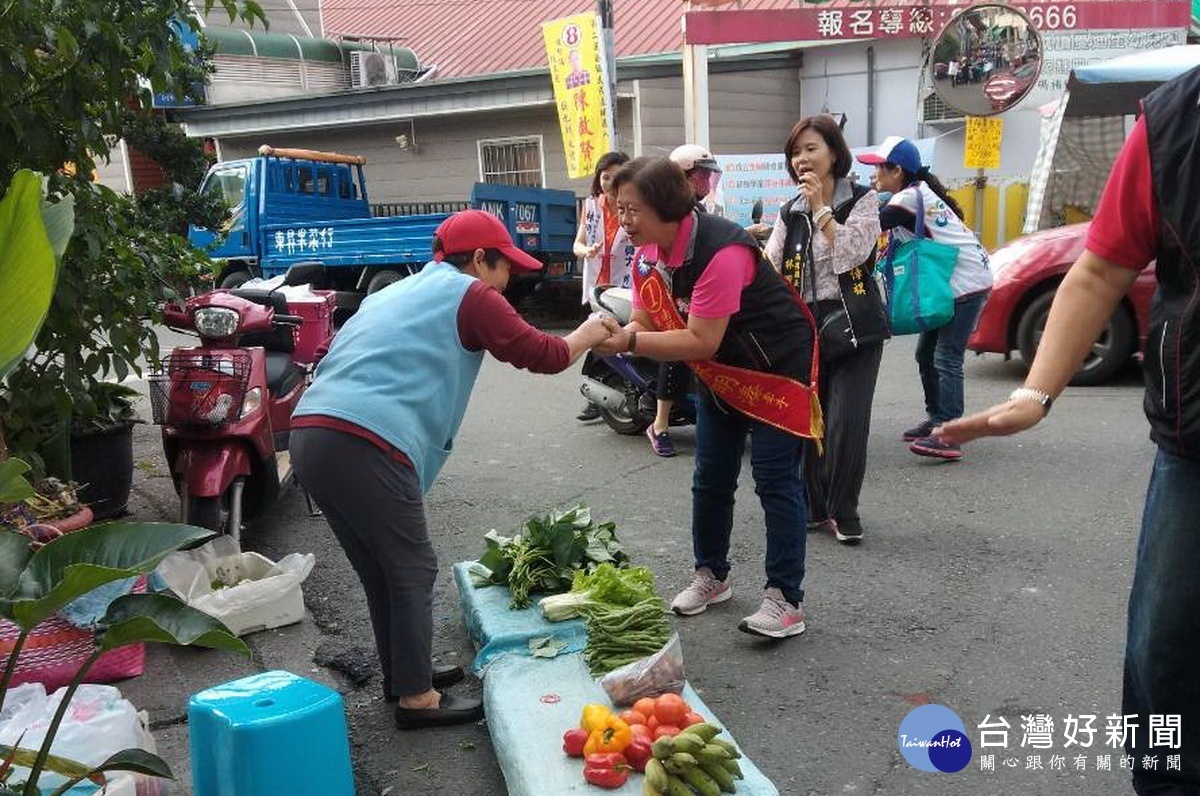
645 706
666 729
670 709
691 717
632 717
641 731
652 722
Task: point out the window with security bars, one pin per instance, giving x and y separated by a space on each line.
936 110
512 161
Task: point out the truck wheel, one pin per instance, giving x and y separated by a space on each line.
1109 353
204 512
382 280
235 279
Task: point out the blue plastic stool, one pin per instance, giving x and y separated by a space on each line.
270 734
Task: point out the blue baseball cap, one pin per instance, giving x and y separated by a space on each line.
897 151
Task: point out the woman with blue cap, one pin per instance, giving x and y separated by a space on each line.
940 352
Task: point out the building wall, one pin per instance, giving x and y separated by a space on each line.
749 112
445 163
835 79
112 174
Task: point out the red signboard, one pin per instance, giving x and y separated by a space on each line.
854 20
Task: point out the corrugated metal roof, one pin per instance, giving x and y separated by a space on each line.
473 37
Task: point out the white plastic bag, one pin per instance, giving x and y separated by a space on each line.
246 591
98 723
656 674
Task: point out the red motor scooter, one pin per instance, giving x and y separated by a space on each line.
225 406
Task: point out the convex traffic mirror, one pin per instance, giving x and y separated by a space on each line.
986 59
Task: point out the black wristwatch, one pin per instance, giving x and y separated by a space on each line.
632 342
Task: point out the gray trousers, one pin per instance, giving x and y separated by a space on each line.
847 390
377 512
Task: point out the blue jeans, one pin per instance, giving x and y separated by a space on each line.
940 359
775 460
1162 649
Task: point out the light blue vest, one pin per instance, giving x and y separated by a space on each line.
398 368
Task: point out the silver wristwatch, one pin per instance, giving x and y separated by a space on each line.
1030 394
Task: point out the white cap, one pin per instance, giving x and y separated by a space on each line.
692 156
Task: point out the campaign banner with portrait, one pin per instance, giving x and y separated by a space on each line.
579 73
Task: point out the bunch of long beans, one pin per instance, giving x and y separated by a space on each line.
620 635
532 567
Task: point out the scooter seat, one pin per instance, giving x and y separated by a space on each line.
282 373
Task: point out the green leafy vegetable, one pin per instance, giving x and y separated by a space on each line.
607 585
547 553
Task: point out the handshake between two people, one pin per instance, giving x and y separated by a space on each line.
601 333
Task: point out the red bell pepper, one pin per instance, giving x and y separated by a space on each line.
574 740
638 753
608 770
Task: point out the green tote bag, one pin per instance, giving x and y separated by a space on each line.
917 273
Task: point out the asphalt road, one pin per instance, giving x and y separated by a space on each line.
995 586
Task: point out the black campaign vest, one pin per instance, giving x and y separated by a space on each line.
770 332
1172 353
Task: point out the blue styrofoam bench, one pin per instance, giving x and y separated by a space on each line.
530 702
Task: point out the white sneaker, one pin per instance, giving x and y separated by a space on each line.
703 591
775 618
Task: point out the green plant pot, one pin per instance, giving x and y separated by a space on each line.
103 462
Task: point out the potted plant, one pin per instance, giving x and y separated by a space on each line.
37 580
48 502
76 83
34 584
64 409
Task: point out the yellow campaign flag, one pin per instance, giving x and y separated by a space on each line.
579 71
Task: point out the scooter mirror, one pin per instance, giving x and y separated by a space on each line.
986 60
303 274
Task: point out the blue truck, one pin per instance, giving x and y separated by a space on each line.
297 205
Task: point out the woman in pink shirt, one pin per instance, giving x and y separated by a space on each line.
715 303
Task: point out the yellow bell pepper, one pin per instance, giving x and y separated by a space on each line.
613 735
594 716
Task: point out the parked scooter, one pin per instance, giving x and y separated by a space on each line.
624 387
225 405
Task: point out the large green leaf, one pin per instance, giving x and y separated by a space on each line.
138 761
14 486
59 218
27 268
78 562
14 555
157 618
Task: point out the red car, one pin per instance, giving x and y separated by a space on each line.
1006 88
1027 273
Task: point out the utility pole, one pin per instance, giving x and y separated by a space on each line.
607 35
695 88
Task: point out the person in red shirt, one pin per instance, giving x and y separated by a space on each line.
373 430
1147 212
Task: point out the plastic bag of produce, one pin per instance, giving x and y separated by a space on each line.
657 674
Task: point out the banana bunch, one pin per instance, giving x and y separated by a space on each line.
693 763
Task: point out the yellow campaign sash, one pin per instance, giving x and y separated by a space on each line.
769 398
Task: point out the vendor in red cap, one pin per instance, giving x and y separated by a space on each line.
374 429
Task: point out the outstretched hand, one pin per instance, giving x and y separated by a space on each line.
1001 420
